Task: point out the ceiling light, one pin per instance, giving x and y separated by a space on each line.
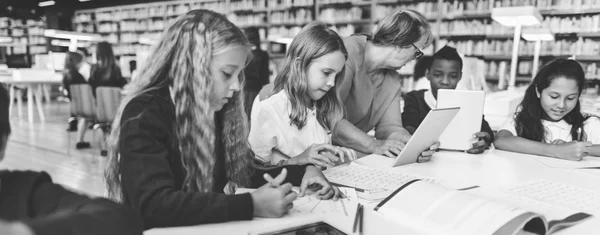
46 3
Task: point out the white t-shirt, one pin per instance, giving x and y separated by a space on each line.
270 128
562 130
85 70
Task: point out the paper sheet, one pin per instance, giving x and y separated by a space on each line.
566 164
311 204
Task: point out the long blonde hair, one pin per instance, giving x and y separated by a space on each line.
313 41
181 60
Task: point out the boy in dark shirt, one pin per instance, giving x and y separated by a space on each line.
443 73
30 204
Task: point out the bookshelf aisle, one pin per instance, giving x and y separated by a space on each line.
464 24
27 36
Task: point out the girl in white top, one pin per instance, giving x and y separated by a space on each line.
549 121
293 125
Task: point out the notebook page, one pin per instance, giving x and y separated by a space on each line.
566 164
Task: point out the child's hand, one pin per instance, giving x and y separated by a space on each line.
273 199
314 176
573 150
482 144
558 141
426 155
348 154
313 155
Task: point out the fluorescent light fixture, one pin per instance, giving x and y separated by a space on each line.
4 39
62 43
46 3
537 34
84 0
52 33
512 16
147 41
282 40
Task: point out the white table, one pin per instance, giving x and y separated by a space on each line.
494 168
35 82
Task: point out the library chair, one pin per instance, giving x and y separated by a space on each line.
108 100
83 107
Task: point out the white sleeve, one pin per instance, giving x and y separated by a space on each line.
264 134
592 129
510 125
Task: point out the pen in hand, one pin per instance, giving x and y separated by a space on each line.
580 134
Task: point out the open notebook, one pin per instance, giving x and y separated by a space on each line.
439 210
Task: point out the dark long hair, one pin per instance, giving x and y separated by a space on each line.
529 117
105 61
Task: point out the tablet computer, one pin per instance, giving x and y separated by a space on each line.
426 135
459 133
318 228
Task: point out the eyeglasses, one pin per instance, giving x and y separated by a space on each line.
418 54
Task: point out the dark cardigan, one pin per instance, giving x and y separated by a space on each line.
152 172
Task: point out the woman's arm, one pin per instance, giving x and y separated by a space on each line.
390 126
149 183
346 134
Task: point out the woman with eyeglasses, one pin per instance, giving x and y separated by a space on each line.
370 88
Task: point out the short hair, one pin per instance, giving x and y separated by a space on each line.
4 117
402 28
421 65
447 53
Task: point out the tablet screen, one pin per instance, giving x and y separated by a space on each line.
319 228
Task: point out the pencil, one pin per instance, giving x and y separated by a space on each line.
362 214
580 133
356 218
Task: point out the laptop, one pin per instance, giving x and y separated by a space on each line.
426 135
459 133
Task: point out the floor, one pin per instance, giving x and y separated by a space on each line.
49 147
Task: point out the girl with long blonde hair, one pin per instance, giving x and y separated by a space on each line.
293 125
180 135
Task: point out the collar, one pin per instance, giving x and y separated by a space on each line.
429 99
562 124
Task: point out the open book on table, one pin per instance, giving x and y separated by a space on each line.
439 210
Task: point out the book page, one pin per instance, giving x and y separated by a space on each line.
549 211
573 198
450 210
